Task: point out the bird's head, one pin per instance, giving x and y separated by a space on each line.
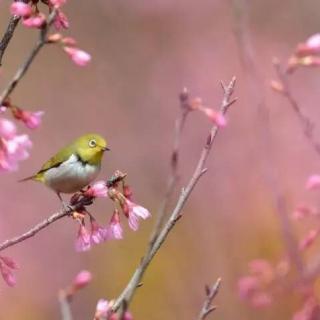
90 148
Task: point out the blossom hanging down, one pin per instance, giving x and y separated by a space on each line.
7 266
122 199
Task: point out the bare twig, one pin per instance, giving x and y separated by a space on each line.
210 295
128 292
174 175
65 308
25 66
256 86
305 122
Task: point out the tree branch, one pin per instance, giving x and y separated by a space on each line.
127 294
210 295
34 52
13 22
305 122
174 176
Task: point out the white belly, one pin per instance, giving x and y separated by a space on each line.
71 176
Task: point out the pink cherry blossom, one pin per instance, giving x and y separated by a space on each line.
82 279
134 213
97 190
83 240
7 129
303 211
61 21
103 310
216 117
313 182
79 57
98 233
114 229
314 41
31 119
36 21
20 9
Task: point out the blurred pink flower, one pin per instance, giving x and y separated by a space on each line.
262 269
20 9
310 47
82 279
83 240
61 21
114 227
309 311
79 57
98 233
134 213
247 285
309 239
7 265
261 300
36 21
13 147
97 190
313 182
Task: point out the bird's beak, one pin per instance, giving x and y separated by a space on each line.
105 149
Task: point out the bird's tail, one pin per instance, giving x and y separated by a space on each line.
34 177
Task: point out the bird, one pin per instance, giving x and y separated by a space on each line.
74 166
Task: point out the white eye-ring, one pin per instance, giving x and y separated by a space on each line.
92 143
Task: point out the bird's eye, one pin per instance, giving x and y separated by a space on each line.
92 143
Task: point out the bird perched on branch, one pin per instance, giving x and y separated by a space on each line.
74 166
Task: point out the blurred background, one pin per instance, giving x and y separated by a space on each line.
143 54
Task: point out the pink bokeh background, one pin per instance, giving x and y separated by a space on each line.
143 54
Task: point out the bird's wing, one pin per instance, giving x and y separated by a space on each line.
57 159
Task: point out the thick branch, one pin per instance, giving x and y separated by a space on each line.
134 282
211 293
25 66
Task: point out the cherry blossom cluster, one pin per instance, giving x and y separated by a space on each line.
264 281
306 54
259 286
196 104
122 200
32 17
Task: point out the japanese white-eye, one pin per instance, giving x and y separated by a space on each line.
74 166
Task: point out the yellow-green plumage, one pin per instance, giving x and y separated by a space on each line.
74 166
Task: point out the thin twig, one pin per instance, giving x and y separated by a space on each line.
174 175
26 64
210 295
306 123
128 292
247 54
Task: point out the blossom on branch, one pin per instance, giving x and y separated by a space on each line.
20 9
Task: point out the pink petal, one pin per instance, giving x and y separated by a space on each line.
20 9
7 128
313 182
82 279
